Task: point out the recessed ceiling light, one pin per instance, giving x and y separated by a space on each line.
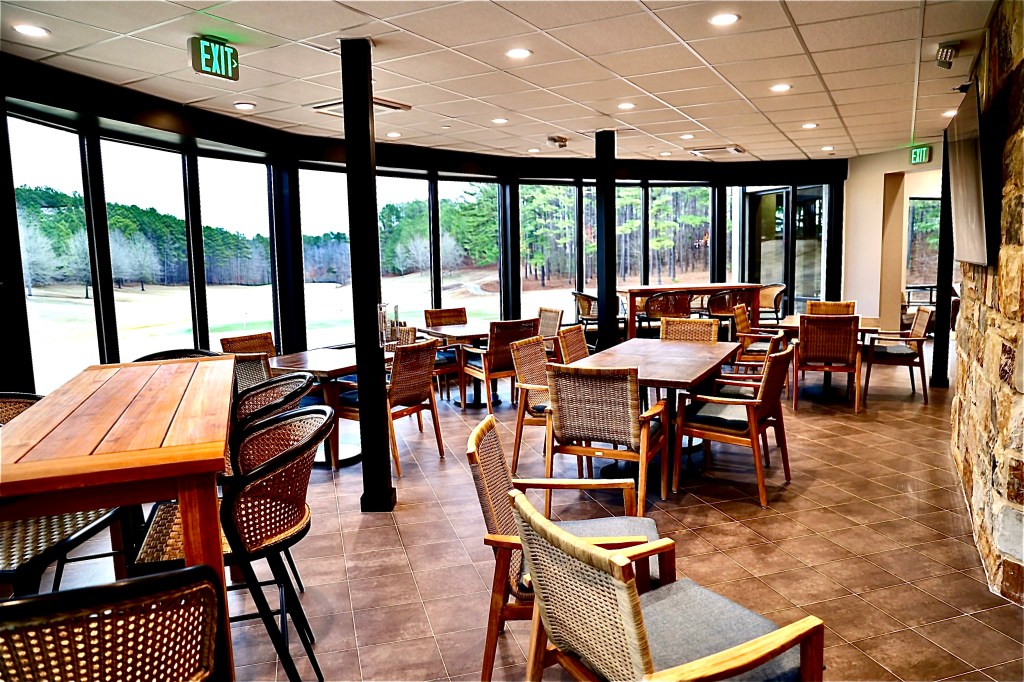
724 19
518 53
626 106
394 133
31 31
499 121
949 114
687 136
827 149
245 106
781 87
533 150
809 126
665 154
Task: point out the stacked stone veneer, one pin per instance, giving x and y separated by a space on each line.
988 407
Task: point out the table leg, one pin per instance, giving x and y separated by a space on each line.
200 529
631 322
331 398
479 401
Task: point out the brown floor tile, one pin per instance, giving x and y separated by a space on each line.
940 497
814 549
384 590
259 672
830 495
440 555
763 559
903 483
979 645
463 652
847 663
391 624
324 600
864 512
909 605
819 520
1008 619
698 516
912 657
861 540
906 531
427 533
729 535
964 593
371 539
321 570
754 594
251 644
417 659
315 546
355 520
337 666
708 569
951 552
907 505
450 582
452 614
777 527
947 522
853 618
804 586
1007 672
858 575
381 562
907 564
689 543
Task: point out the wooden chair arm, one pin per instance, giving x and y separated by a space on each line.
551 338
532 387
809 632
747 363
473 349
770 331
657 409
736 382
893 332
618 542
724 401
745 335
523 484
649 549
503 541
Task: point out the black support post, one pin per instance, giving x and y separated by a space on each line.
508 220
645 232
286 233
361 165
580 251
194 243
834 244
719 238
99 243
943 280
18 367
607 298
434 224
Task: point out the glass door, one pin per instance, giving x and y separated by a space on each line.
809 229
766 232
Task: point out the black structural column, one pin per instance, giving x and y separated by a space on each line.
196 257
508 254
434 225
834 243
287 235
607 298
99 242
943 280
580 251
645 232
719 239
18 368
361 166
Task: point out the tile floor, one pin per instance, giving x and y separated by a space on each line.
872 536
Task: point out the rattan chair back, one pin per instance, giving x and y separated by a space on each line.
161 627
406 335
586 305
919 327
831 307
250 343
595 404
440 317
502 334
769 296
251 369
688 329
550 321
13 404
668 304
529 358
741 320
587 597
177 354
720 304
773 381
573 342
829 338
271 397
412 373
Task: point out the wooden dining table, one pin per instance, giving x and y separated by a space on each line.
471 333
741 293
868 325
128 434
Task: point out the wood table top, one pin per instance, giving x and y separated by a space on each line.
323 363
868 325
469 331
665 364
697 287
117 423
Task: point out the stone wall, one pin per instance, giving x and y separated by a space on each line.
988 408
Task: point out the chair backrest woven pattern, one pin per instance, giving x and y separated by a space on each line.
773 380
585 608
742 321
493 480
668 304
829 338
251 369
919 327
168 634
439 317
586 305
550 322
768 294
251 343
13 404
406 335
720 303
530 358
412 373
831 307
573 341
177 354
591 404
504 333
273 396
688 329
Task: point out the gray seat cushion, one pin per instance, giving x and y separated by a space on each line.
349 399
475 361
737 392
444 357
894 351
686 622
757 348
717 416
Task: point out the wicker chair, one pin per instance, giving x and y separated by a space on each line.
440 317
770 300
572 342
688 329
831 307
529 357
740 421
591 405
29 546
905 349
753 340
667 304
589 608
268 398
495 361
250 343
586 308
446 364
263 512
829 343
511 595
550 323
735 384
251 369
161 627
177 354
410 392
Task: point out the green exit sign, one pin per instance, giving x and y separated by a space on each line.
920 155
213 58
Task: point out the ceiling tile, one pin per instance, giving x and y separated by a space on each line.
854 32
779 68
712 95
87 67
884 75
890 117
642 118
297 91
734 131
954 17
749 46
649 60
791 101
801 85
317 130
385 9
525 101
545 15
465 107
691 22
560 113
138 54
680 79
876 107
970 44
867 57
435 66
122 17
177 32
820 115
877 92
410 118
64 35
493 83
703 111
563 73
373 29
25 51
619 34
448 25
719 122
292 59
225 103
418 95
961 69
544 48
295 20
599 91
249 79
176 90
810 11
300 115
939 86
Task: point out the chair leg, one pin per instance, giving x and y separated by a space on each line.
58 573
913 388
462 389
579 466
535 650
677 460
294 570
499 597
924 382
419 421
764 447
269 622
665 449
867 379
488 389
394 443
549 465
755 445
590 467
780 438
298 615
437 426
641 488
520 418
856 397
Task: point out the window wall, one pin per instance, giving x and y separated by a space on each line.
680 240
236 246
628 236
404 247
326 258
809 230
547 252
54 252
148 251
470 247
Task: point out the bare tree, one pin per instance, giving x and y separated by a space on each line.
452 254
77 263
38 261
144 262
120 258
413 255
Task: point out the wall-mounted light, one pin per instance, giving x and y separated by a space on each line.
946 53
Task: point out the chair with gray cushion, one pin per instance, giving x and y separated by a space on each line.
902 348
591 619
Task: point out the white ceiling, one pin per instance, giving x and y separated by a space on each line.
863 71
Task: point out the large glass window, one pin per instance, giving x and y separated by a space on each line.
923 242
236 245
547 220
767 219
680 241
54 252
734 234
809 223
628 236
148 251
326 258
404 247
470 247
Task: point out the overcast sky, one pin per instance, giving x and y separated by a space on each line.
233 194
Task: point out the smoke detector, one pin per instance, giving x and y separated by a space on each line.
558 141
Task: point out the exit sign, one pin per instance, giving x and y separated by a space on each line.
213 58
920 155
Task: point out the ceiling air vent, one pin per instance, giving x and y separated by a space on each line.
718 152
380 106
